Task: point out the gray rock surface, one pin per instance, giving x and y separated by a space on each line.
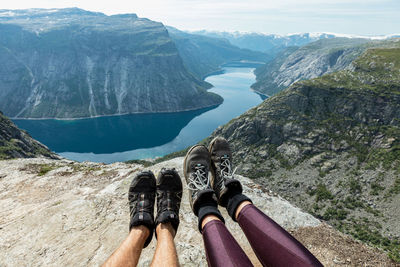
307 62
76 214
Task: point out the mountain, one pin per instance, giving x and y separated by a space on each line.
204 55
331 146
307 62
72 63
275 43
16 143
82 208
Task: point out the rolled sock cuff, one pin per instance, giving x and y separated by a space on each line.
208 210
234 202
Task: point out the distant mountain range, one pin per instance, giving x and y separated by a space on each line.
274 43
203 55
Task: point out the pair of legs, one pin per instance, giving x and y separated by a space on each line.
129 251
144 191
270 242
272 245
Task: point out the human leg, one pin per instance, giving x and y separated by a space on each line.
220 246
141 204
169 195
165 254
129 251
270 242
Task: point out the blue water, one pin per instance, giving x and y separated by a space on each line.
141 136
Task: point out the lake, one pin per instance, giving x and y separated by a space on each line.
143 136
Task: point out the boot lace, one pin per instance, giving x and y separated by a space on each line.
199 179
225 170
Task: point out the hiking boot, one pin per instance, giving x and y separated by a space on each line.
222 181
169 195
195 168
142 192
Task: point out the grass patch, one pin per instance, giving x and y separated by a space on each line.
45 168
321 193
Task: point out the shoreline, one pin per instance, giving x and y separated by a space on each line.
259 93
115 115
214 73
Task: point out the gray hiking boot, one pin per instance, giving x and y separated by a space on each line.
195 168
142 192
223 181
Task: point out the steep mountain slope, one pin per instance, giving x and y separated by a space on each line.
15 143
203 55
76 214
69 63
307 62
331 145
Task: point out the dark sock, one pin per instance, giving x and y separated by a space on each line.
234 202
143 218
209 209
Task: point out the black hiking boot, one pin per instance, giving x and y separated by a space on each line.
169 195
142 192
201 196
223 181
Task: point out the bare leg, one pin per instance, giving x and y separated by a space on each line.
165 254
129 252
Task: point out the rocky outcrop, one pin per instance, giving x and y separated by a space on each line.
204 55
71 63
16 143
307 62
76 214
331 146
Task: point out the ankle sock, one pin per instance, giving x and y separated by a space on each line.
234 202
208 209
143 218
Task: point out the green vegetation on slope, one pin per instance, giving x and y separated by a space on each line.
15 143
331 145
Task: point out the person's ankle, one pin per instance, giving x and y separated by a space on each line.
140 230
240 207
208 211
165 228
233 205
208 219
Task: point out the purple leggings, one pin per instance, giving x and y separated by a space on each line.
270 242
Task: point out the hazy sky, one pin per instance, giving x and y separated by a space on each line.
367 17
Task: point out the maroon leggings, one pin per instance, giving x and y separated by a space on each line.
270 242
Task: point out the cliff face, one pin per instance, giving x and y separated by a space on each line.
311 61
203 55
331 145
15 143
73 63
